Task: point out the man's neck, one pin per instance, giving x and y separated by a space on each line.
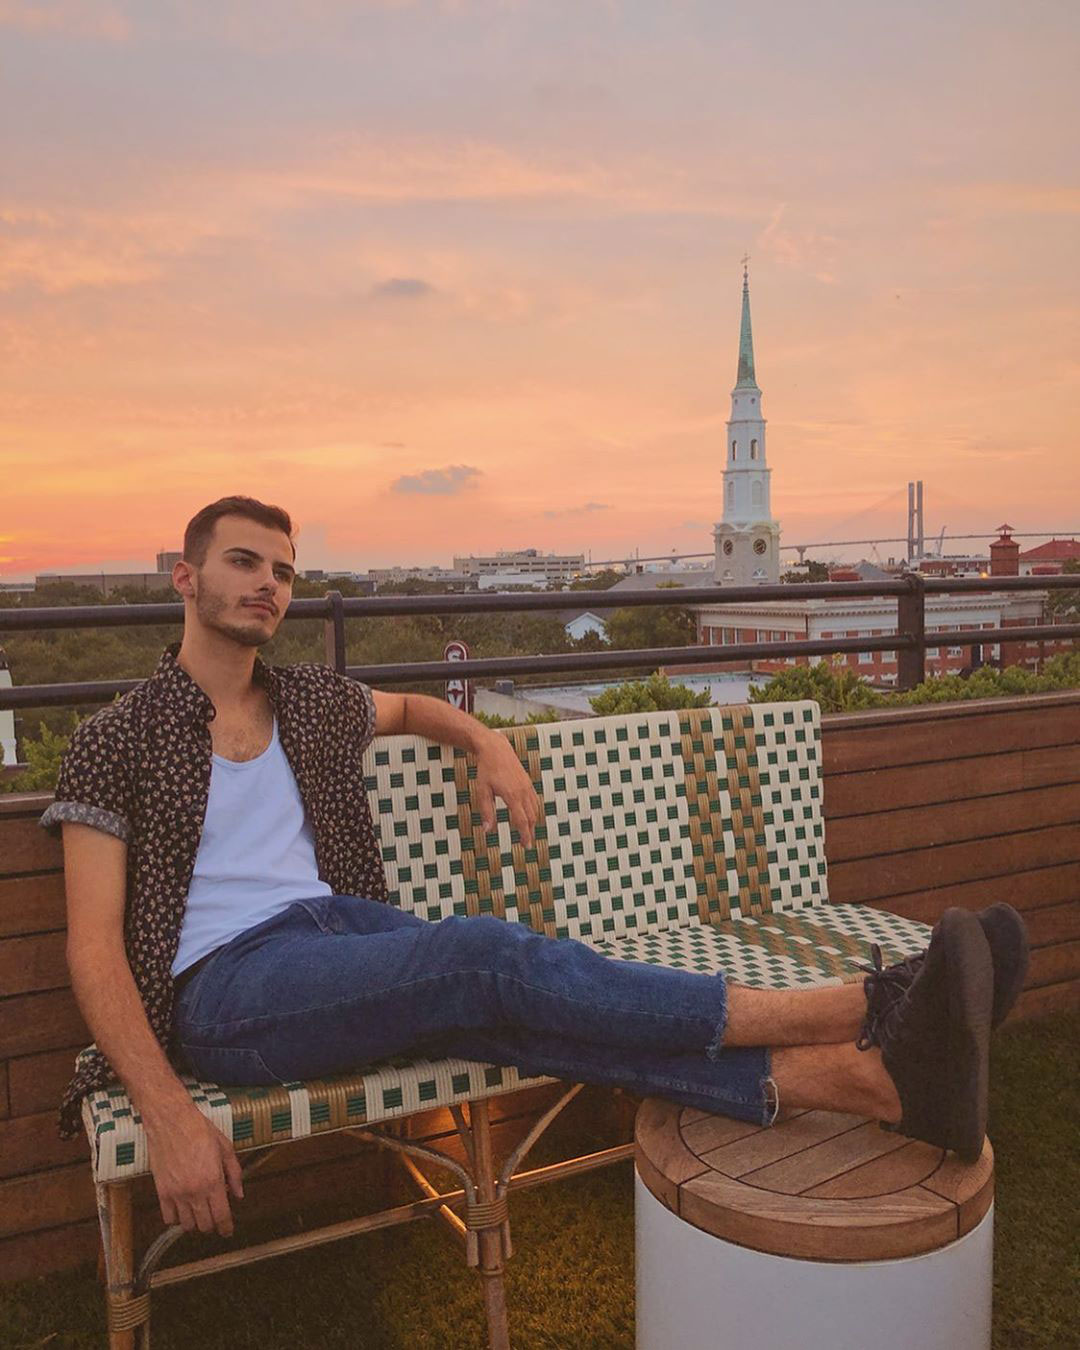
222 669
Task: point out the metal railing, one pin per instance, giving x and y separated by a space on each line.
910 639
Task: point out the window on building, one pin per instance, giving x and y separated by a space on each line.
755 494
731 495
865 658
932 652
889 656
753 449
732 449
956 651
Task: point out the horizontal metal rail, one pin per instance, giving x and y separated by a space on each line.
909 641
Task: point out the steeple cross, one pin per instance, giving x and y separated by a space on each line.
745 260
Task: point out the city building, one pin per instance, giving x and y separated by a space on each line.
1050 558
382 576
108 582
523 562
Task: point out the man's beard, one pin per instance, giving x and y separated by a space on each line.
209 606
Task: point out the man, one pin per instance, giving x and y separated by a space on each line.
227 916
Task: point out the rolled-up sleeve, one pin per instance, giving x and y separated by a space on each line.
361 706
94 783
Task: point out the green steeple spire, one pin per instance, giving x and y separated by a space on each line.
746 378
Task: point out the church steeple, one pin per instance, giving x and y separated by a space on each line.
747 537
746 379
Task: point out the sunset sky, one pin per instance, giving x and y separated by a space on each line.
451 277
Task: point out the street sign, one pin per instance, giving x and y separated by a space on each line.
458 692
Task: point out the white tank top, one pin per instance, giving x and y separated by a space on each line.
256 855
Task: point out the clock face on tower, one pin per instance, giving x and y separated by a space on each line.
728 547
760 546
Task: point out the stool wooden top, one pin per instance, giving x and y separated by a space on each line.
819 1185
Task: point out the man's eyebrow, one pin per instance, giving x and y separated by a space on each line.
250 552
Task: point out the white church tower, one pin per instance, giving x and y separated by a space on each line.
747 537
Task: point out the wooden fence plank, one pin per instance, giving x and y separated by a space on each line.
14 804
28 964
37 1082
1053 923
28 848
46 1199
925 827
1025 891
31 904
895 874
856 741
30 1143
1054 965
847 794
32 1022
1047 999
32 1254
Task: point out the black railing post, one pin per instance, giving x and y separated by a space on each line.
334 630
911 624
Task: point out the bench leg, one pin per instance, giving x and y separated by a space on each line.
128 1315
492 1267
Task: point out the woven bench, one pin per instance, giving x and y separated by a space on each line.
690 838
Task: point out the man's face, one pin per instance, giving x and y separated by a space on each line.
245 585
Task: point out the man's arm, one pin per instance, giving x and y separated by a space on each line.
188 1153
498 769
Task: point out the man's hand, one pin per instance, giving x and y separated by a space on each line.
499 774
498 769
191 1161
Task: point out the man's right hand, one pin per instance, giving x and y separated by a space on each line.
191 1161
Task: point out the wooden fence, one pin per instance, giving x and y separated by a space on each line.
948 804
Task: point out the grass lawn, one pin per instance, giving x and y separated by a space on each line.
571 1279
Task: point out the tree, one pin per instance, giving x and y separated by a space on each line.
655 694
653 625
831 683
815 571
599 581
43 757
1066 602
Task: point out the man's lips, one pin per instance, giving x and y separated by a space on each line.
258 605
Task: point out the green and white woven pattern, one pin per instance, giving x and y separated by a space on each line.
650 821
253 1117
824 945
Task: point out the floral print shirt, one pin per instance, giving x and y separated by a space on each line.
140 769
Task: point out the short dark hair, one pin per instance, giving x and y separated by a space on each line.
200 528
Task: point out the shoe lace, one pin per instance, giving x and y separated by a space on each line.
885 989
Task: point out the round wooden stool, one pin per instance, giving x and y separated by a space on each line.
820 1230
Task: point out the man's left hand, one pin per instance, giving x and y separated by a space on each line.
499 773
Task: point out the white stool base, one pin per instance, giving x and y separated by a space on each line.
695 1291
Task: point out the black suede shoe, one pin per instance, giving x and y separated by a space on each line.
934 1035
1009 951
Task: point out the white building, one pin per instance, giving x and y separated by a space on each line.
8 754
530 561
747 537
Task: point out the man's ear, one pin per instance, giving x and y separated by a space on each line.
181 579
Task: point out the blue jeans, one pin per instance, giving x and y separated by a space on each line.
338 982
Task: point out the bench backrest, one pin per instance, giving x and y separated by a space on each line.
651 820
